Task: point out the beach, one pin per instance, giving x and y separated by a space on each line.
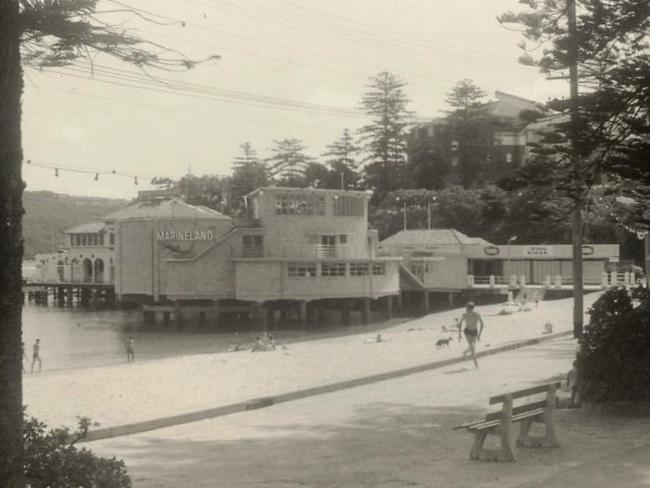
126 393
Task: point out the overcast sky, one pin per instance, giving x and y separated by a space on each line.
306 51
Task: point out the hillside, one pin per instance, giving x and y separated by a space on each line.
48 214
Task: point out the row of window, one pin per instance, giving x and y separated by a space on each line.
308 270
308 204
300 204
90 239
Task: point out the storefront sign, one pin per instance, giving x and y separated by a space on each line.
536 251
587 250
185 235
491 251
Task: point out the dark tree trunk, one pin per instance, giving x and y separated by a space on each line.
11 249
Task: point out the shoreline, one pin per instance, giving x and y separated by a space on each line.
148 390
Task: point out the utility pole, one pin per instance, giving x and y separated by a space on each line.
576 214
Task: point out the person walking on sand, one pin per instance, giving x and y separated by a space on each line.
130 353
36 355
471 319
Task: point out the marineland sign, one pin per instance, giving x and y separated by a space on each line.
185 235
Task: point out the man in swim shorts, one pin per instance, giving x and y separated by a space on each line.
471 319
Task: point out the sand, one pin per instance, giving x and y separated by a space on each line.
121 394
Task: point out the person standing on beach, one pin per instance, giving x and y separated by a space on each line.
130 353
471 319
36 355
25 358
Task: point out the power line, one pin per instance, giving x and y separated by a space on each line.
142 81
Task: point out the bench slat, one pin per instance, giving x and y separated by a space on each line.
517 410
523 393
491 422
516 418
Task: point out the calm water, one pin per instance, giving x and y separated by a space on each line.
79 338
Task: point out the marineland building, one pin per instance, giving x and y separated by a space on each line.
299 246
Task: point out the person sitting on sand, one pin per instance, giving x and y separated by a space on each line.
268 341
258 345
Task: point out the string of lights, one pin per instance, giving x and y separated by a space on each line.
58 169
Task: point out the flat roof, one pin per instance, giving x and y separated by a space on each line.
89 228
309 189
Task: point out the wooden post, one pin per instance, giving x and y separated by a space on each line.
303 312
505 429
549 418
389 307
425 304
365 310
345 312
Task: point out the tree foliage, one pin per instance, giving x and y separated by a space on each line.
53 459
386 136
614 359
288 164
608 132
249 173
58 32
469 130
210 191
341 159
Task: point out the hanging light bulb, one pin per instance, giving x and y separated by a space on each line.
56 172
135 180
96 176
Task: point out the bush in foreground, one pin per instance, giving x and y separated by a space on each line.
52 460
614 358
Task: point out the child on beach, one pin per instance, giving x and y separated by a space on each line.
130 353
36 355
471 319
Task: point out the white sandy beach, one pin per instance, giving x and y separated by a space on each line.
121 394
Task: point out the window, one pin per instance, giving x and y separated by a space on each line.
93 239
253 246
101 238
349 206
378 269
358 269
302 270
84 239
111 239
509 157
297 204
332 269
343 239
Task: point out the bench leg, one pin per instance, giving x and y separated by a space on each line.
506 453
549 423
524 439
477 447
549 439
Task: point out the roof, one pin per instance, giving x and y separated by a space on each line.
433 237
90 228
511 106
315 190
165 208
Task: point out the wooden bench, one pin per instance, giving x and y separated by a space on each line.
500 423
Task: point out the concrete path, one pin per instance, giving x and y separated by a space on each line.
395 433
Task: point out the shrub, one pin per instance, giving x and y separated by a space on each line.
614 358
52 460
